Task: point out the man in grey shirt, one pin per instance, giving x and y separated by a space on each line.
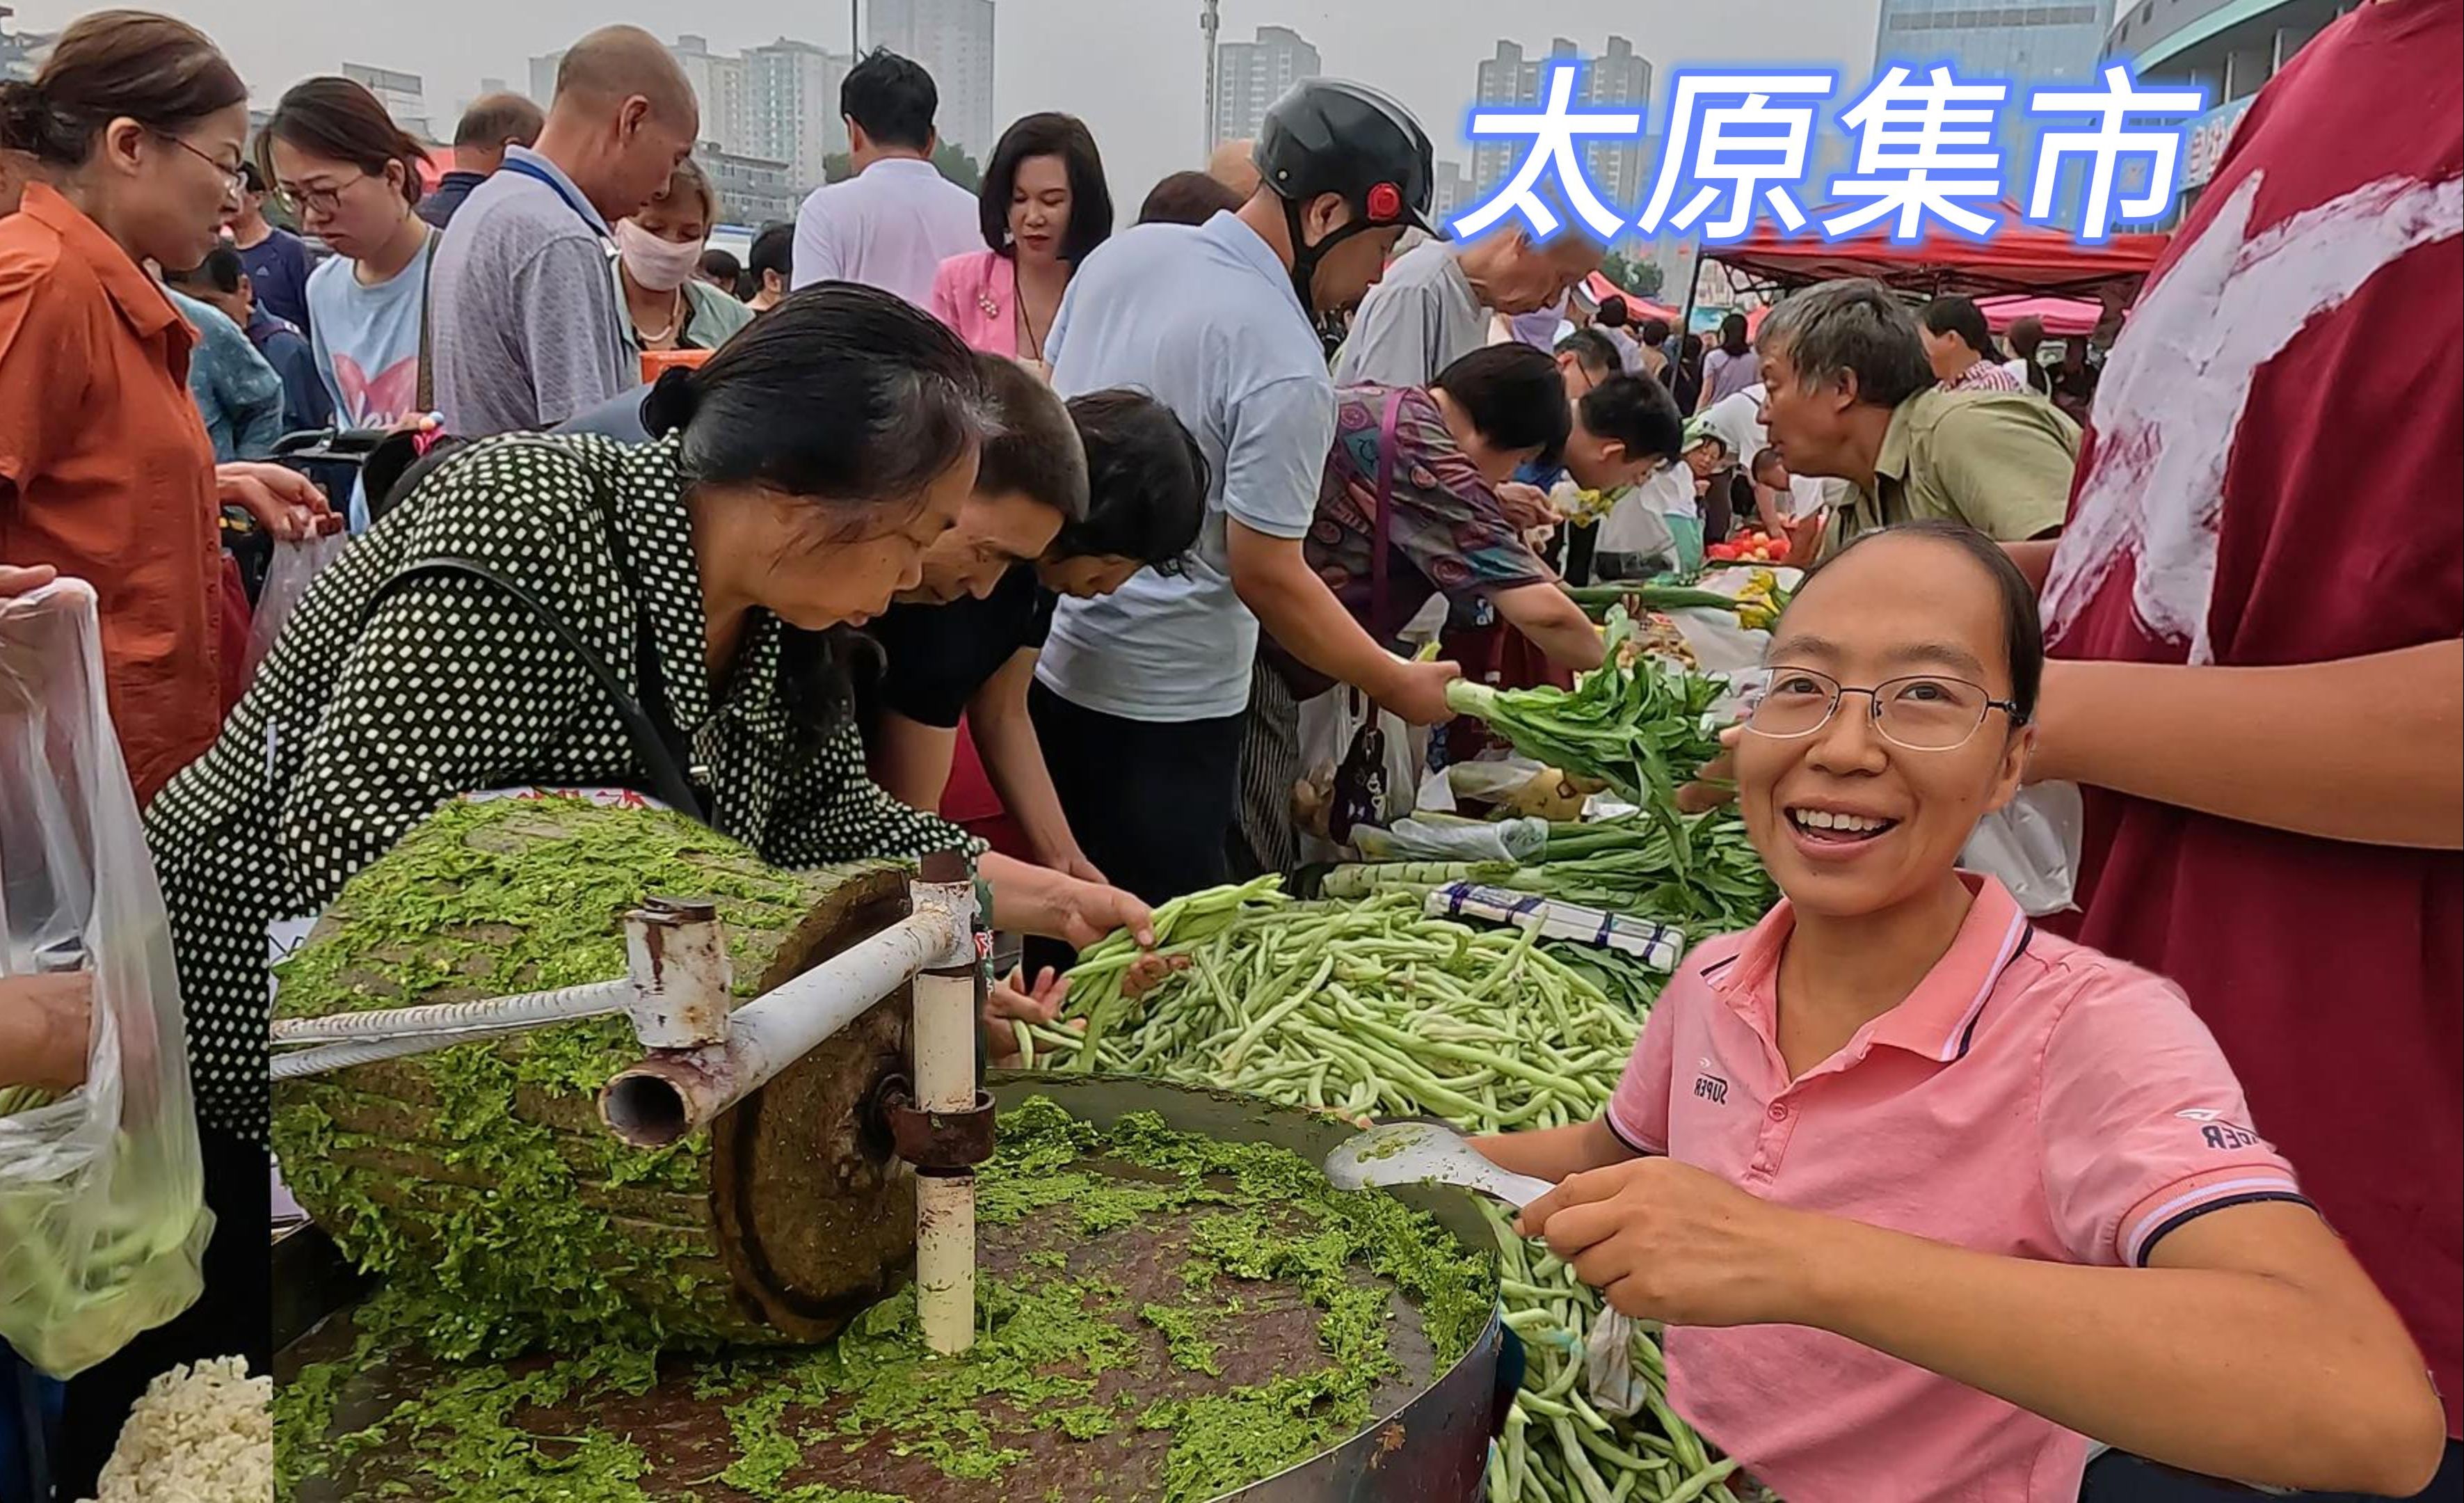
1435 303
525 327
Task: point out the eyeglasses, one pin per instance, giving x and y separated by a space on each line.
231 173
1920 713
322 200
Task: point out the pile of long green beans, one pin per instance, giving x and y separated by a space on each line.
1642 727
1622 866
1372 1009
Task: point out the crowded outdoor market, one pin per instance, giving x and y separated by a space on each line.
1283 844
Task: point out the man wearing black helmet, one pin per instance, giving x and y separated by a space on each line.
1139 698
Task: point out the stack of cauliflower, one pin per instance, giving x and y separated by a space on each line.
199 1435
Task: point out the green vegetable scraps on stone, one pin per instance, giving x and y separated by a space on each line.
515 1235
1042 1344
1372 1008
1390 1147
1642 727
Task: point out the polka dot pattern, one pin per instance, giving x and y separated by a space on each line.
352 735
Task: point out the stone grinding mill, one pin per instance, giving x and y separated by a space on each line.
817 1059
719 1106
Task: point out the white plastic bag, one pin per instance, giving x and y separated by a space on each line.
1441 839
296 565
1614 1382
1329 724
102 1214
2032 847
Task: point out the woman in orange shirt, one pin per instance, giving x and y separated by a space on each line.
134 129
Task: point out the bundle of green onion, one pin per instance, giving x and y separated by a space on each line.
1621 865
1640 726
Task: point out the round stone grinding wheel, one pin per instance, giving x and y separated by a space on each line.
479 1180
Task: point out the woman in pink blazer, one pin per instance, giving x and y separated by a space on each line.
1044 207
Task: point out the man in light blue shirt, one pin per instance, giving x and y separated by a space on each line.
1140 697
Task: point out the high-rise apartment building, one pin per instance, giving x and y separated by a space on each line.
401 94
1450 192
752 192
1617 79
792 107
544 77
720 86
2025 41
20 52
2226 48
1252 76
954 40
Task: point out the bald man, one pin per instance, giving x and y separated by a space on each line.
489 127
526 327
1235 165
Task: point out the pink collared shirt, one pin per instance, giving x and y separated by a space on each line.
976 295
2031 1097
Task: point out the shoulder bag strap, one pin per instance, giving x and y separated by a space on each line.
658 746
1378 544
655 748
426 398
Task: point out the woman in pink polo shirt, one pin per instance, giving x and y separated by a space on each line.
1927 1197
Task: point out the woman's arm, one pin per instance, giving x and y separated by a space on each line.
45 1028
1550 617
2364 749
2254 1347
910 760
1555 1153
1013 760
1767 513
1034 899
1274 580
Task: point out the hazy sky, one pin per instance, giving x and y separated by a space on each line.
1143 100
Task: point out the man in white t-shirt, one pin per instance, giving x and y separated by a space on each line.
892 224
1434 305
1140 697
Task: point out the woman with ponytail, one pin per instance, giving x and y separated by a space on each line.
129 139
791 488
130 135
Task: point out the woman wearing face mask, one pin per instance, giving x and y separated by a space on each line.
658 262
132 130
350 176
1926 1198
1044 207
683 562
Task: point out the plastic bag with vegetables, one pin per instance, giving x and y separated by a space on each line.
101 1215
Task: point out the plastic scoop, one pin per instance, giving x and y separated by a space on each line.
1424 1152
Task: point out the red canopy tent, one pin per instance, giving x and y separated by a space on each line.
2061 316
1597 286
2020 257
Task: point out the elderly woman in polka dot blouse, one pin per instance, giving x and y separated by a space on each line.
802 473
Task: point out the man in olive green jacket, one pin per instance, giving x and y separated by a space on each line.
1852 396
